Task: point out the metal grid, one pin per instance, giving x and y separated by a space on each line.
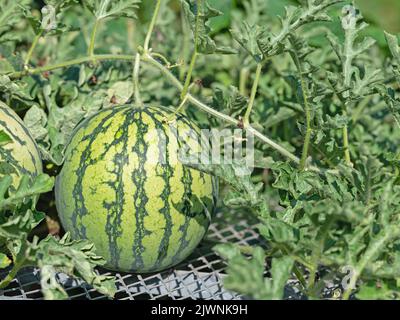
199 277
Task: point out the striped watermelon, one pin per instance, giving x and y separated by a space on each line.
123 188
21 156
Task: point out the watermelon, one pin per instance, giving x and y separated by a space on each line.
123 187
20 156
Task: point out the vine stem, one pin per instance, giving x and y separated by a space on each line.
370 253
347 156
93 39
307 110
246 118
185 46
32 48
146 57
177 110
194 55
152 24
189 75
244 73
305 94
68 63
347 81
136 88
11 275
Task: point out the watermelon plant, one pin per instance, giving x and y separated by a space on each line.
310 80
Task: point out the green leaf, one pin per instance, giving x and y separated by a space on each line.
246 276
13 89
120 92
113 8
394 47
61 5
4 261
19 225
198 18
375 291
280 273
10 14
393 44
51 289
230 101
26 190
237 174
278 231
227 250
261 43
75 258
52 130
248 37
5 66
351 86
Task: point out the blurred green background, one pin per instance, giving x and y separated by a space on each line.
384 13
380 14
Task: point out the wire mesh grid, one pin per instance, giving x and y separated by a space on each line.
199 277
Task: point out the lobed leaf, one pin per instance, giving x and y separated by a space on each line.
102 9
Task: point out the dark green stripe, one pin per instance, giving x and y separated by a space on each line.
86 161
115 209
140 198
185 206
166 173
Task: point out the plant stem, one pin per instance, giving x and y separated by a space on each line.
194 55
285 32
93 39
161 57
136 88
306 104
68 63
307 137
347 65
175 82
346 143
244 73
147 58
371 252
296 270
177 110
11 275
185 46
304 153
299 276
152 24
32 48
246 117
189 75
